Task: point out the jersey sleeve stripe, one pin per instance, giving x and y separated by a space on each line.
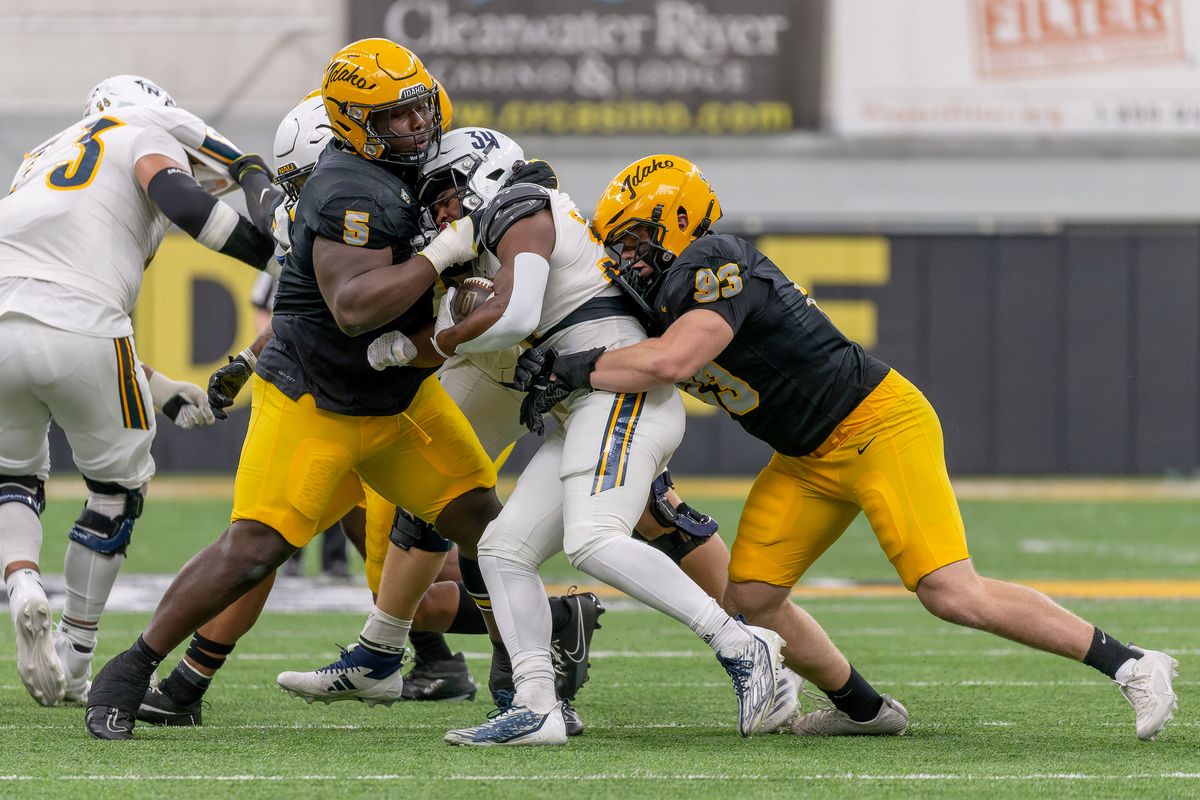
222 152
610 471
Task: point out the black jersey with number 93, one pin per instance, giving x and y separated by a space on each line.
789 376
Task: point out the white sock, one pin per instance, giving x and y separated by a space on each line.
89 578
384 633
523 618
20 535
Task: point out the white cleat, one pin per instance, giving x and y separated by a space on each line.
513 727
753 669
892 720
77 668
1148 688
787 701
358 675
37 663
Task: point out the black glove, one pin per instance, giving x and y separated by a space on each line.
534 366
247 164
575 369
543 397
534 171
225 383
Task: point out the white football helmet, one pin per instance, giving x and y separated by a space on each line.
299 141
475 162
126 90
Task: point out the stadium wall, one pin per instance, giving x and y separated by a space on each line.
1074 352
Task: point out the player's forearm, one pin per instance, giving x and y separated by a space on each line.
374 298
482 319
637 368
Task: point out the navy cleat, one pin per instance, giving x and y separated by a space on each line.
754 668
358 675
514 726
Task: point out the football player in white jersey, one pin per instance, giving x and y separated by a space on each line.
585 488
84 216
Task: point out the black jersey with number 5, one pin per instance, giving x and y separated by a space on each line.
350 200
789 376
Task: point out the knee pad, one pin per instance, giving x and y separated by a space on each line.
683 518
102 533
28 490
675 544
409 532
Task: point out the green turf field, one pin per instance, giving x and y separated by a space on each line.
989 718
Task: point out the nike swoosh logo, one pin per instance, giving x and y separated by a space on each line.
263 194
865 446
576 653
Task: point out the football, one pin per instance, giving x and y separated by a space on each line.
470 295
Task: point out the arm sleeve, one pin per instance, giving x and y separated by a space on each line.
524 310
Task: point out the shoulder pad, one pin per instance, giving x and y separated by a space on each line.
511 204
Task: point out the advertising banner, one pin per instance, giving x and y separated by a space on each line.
601 67
1075 67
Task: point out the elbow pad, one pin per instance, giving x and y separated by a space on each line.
524 309
206 219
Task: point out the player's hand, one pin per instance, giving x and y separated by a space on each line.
540 400
183 403
226 382
533 171
575 369
534 367
392 349
457 243
445 320
248 163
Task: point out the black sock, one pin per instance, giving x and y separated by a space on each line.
1107 654
146 655
429 647
468 618
473 581
858 699
185 685
560 614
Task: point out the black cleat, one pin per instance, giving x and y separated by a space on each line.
159 708
570 644
107 722
116 693
572 720
440 680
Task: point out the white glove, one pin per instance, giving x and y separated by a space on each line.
445 319
454 245
392 349
185 404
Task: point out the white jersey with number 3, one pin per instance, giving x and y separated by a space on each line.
77 230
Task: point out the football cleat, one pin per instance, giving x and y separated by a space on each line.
358 675
892 720
115 694
1149 690
440 680
503 699
787 701
37 662
569 645
159 708
77 667
753 669
513 726
571 719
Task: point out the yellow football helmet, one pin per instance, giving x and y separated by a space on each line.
371 76
665 195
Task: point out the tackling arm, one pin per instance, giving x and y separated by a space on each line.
689 343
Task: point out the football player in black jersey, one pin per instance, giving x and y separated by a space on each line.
849 434
322 420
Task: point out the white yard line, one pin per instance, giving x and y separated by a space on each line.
633 776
